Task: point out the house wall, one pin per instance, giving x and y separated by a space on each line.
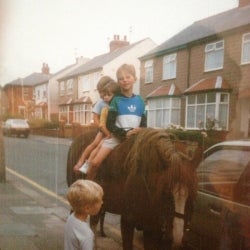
15 98
236 75
130 57
93 80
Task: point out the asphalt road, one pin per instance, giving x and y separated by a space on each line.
41 159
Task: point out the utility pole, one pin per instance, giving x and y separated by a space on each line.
2 158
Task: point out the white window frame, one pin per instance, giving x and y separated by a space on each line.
163 111
149 71
85 82
214 56
245 53
82 113
198 112
69 85
38 94
61 88
169 66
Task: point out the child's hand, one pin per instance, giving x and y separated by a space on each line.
76 168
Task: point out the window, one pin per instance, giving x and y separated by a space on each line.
82 113
149 71
163 111
245 57
169 66
38 94
70 86
26 93
44 93
85 82
61 88
205 107
214 56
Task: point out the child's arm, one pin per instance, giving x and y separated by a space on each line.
103 120
96 119
111 125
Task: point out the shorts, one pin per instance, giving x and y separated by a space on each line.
111 142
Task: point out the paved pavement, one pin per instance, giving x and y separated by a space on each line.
33 218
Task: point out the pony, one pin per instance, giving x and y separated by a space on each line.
150 180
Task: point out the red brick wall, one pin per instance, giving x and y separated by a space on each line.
233 72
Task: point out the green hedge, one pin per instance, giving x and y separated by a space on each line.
204 138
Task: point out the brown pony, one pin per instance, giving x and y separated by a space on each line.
150 181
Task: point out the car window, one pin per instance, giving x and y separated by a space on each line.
220 173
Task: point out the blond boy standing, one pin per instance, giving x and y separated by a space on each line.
85 198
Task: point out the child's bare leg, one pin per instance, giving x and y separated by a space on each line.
88 151
96 162
94 152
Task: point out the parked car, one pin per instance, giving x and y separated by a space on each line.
16 127
221 218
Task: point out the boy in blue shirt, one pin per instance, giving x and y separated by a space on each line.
126 117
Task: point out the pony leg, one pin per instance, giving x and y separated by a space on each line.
94 219
151 240
127 231
180 197
102 216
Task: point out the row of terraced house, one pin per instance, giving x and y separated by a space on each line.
199 75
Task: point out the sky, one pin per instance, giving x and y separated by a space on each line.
33 32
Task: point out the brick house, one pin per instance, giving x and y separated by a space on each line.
201 75
77 90
46 92
20 94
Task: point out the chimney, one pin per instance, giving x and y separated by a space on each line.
45 69
243 3
116 43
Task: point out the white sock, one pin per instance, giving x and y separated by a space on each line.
84 167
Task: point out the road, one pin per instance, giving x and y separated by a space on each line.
41 159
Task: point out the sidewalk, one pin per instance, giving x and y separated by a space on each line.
31 219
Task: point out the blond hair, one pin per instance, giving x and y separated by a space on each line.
82 193
129 68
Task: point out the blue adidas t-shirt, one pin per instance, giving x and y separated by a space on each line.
129 111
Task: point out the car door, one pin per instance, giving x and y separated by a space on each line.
220 219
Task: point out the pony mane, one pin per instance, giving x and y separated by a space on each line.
156 151
151 147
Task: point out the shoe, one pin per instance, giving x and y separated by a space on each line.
84 168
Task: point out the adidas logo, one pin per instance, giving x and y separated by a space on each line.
132 108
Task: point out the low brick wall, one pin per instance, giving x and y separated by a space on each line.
64 131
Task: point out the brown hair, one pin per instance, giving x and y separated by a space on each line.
127 68
84 192
103 82
112 88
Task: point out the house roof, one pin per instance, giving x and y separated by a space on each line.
213 83
168 90
31 80
99 61
211 26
